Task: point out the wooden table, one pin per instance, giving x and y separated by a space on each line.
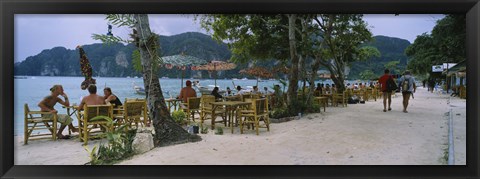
232 98
173 102
230 108
322 100
70 113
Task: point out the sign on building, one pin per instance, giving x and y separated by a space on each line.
437 68
449 65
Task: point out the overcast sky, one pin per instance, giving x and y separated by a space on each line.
37 32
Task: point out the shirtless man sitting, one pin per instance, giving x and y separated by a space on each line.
49 102
92 99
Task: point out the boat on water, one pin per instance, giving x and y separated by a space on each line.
234 78
135 77
245 78
20 77
138 89
209 88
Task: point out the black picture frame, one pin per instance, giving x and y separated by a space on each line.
8 8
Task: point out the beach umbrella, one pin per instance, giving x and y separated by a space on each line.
281 69
182 62
86 69
215 66
259 72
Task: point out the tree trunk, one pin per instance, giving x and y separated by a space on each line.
338 78
315 67
167 132
293 81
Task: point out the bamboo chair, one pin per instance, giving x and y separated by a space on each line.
463 92
207 110
249 97
367 94
87 127
192 106
253 117
379 92
35 121
374 94
135 111
233 98
340 98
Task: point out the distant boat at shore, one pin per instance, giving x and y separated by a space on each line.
20 77
138 89
245 78
208 89
234 78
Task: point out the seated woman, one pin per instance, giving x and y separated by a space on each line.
216 94
327 89
110 98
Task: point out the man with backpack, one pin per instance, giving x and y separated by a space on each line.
387 86
407 83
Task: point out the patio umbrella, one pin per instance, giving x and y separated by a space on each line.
258 72
86 69
215 66
281 69
182 62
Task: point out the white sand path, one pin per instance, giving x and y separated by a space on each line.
360 134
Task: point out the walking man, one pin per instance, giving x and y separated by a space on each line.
407 83
387 93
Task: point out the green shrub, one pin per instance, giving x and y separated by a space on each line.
279 113
179 116
119 144
204 130
219 131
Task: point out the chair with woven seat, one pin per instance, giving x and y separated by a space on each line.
249 97
258 112
88 128
192 106
367 93
340 98
207 110
35 121
135 111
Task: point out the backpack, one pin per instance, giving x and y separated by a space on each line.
405 84
391 85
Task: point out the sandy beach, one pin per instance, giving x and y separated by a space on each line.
360 134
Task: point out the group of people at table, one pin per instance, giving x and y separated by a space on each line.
48 103
327 89
188 91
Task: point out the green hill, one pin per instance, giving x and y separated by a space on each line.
115 60
391 49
